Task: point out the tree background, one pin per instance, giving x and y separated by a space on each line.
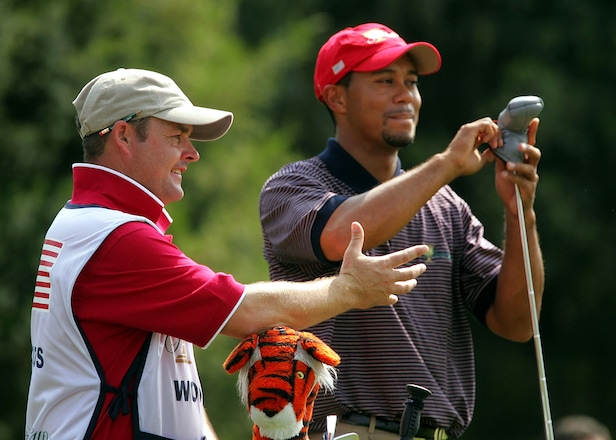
255 58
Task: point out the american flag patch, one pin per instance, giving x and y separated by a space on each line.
42 289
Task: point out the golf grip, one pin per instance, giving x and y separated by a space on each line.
409 424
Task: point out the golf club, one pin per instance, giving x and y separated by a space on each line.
513 121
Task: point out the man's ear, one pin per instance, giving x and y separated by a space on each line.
120 129
122 135
335 97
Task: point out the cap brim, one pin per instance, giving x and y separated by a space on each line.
426 57
208 124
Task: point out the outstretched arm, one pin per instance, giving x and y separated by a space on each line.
363 282
386 209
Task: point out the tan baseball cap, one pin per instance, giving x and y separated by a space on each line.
118 95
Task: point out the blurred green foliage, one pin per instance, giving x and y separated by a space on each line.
255 58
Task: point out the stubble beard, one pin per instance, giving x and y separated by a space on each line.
398 140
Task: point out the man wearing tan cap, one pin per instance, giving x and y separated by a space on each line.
117 307
366 76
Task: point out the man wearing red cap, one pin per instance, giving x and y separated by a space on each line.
366 77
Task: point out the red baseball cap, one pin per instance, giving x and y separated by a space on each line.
366 48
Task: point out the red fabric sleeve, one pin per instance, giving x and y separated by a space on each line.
138 279
138 282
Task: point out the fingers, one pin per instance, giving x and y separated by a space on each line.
485 131
394 259
463 150
526 170
411 272
405 255
357 240
407 281
402 280
378 280
523 174
408 278
532 131
531 153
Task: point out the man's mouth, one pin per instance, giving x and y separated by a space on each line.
401 115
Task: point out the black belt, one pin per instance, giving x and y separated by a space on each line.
355 418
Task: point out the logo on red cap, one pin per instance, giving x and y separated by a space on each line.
374 36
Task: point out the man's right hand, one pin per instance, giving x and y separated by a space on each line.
463 154
363 282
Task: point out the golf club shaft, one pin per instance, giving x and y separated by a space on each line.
547 417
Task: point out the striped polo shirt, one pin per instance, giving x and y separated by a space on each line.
425 338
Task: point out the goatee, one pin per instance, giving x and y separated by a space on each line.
398 141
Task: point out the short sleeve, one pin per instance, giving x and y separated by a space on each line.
294 209
138 278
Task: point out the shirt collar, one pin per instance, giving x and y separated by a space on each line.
102 186
344 167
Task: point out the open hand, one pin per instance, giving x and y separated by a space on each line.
378 280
